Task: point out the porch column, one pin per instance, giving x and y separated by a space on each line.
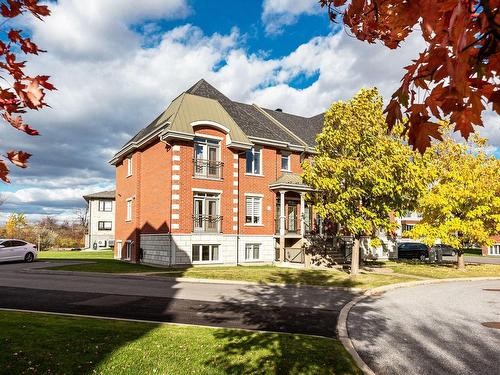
307 255
282 225
302 214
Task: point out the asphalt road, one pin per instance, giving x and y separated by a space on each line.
269 308
430 329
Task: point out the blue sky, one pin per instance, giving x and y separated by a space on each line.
118 64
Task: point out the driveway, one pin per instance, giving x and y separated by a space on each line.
430 329
261 307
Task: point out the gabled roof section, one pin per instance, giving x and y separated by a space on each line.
191 110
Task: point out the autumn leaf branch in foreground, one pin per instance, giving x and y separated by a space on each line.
20 91
456 75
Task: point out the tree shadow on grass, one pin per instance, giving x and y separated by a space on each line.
296 310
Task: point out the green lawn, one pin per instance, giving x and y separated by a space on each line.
64 254
48 344
272 274
102 261
442 271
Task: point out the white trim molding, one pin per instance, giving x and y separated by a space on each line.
212 124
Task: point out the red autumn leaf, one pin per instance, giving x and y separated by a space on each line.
11 11
421 134
34 93
43 81
4 171
18 158
23 91
18 124
464 121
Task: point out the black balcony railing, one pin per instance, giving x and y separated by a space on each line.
207 223
207 168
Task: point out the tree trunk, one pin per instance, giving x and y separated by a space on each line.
461 261
355 257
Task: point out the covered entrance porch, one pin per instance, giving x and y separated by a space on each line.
293 219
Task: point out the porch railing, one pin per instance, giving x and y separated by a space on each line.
207 223
291 226
207 168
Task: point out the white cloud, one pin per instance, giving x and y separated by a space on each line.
279 13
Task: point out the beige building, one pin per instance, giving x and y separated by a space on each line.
100 220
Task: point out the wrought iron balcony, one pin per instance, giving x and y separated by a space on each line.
207 168
207 223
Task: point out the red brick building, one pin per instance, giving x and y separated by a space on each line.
494 248
211 180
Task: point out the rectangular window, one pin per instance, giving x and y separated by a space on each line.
129 209
494 249
106 206
407 227
129 166
252 251
104 225
254 161
285 162
206 158
253 209
205 253
206 216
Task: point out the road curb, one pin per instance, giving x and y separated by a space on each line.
187 280
343 332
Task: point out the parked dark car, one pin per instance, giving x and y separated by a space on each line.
445 249
413 250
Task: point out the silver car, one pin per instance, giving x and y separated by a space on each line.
12 249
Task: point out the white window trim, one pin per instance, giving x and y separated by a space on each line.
206 261
261 197
260 162
130 166
104 201
126 243
490 249
104 228
288 156
127 218
253 259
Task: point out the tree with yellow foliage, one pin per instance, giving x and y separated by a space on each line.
361 174
461 207
15 224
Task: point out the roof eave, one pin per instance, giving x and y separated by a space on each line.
296 187
135 145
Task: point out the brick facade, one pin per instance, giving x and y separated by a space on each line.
162 185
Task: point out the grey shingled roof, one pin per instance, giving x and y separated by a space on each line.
108 194
305 128
249 119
